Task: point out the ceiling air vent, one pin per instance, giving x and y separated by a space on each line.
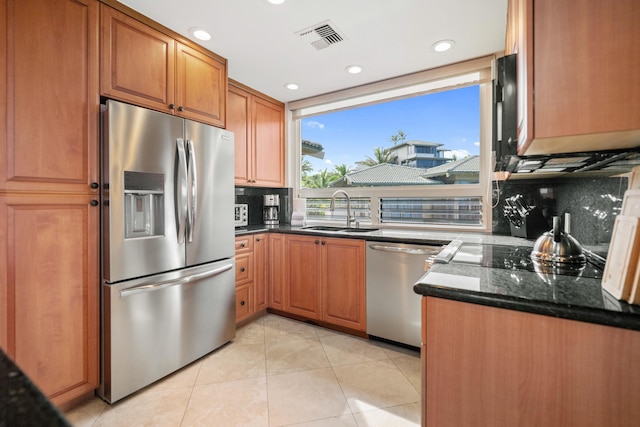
321 35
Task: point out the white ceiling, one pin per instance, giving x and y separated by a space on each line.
388 38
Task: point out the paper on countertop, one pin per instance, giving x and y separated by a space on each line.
451 281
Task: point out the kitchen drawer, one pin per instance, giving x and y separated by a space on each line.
244 268
244 244
243 303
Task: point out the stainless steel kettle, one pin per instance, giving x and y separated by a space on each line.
558 247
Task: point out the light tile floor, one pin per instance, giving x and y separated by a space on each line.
277 372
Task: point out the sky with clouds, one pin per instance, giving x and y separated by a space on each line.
450 118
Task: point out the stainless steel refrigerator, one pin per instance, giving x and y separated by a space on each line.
168 289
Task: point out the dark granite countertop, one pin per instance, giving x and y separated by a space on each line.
568 297
21 402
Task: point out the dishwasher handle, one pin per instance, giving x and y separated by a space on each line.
399 249
173 282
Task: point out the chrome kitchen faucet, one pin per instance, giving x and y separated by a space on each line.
333 203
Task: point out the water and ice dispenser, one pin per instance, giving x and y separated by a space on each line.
144 204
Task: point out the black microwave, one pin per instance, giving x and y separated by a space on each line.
505 112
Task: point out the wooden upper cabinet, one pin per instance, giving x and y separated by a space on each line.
578 74
138 62
49 79
239 122
258 127
268 143
146 67
201 88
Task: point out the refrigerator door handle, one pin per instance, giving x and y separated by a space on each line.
173 282
181 190
193 190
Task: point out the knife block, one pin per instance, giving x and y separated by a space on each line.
533 225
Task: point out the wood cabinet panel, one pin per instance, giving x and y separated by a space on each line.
268 140
49 124
244 244
302 288
137 62
201 89
586 62
239 122
244 268
50 264
243 303
260 272
277 265
145 66
344 283
577 74
325 280
258 126
495 367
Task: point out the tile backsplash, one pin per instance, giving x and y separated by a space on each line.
253 196
593 203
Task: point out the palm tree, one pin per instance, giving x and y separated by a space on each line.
380 156
398 137
341 170
321 179
306 168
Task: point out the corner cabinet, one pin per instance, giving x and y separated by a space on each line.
146 67
489 366
49 193
325 280
578 83
258 126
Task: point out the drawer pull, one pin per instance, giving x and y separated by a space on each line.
242 269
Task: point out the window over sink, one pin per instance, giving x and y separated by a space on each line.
410 151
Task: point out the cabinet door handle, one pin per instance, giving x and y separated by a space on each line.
171 106
181 108
324 243
94 203
257 239
317 241
242 245
242 269
241 302
95 185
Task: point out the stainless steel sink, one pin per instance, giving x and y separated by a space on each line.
327 228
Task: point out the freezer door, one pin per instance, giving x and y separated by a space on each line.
140 181
210 230
154 326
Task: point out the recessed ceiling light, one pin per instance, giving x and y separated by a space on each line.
200 34
291 86
353 69
276 1
443 45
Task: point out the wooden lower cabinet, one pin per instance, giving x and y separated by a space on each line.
49 262
250 275
486 366
276 275
325 280
260 248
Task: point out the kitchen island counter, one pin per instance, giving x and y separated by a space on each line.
567 297
21 402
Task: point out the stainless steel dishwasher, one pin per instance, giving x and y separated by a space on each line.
393 309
